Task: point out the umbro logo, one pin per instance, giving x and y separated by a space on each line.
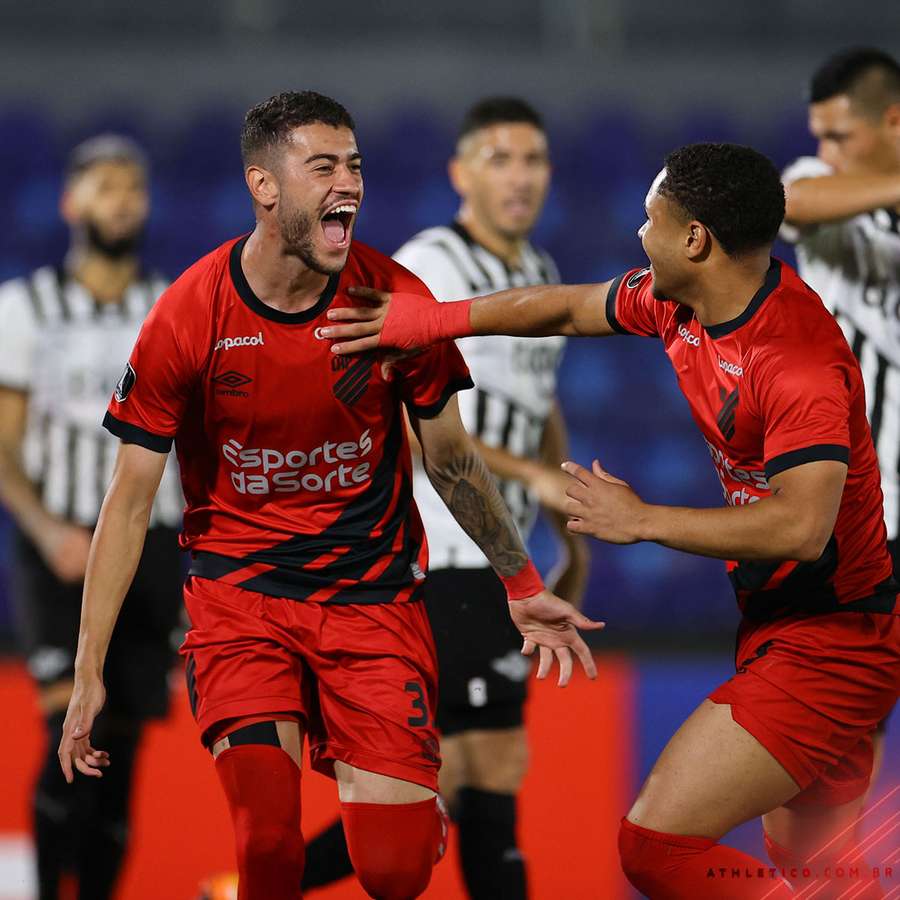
725 419
230 381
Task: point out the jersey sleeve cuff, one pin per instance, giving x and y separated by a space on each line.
611 295
432 410
814 453
134 434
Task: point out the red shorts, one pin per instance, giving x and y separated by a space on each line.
812 691
362 678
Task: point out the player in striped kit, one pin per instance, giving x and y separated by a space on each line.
843 215
63 334
501 171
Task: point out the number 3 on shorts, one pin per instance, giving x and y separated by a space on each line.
418 704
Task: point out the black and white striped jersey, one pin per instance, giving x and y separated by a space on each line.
854 266
515 378
67 351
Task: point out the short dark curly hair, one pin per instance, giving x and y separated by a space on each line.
498 111
735 191
869 76
269 123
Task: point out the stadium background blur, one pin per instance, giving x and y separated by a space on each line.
620 84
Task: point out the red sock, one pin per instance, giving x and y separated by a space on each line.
262 784
676 867
393 846
848 871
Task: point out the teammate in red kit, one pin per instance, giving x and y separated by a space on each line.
308 553
778 397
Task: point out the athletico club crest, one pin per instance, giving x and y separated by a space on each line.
126 383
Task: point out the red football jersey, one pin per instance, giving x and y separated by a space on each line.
295 462
774 388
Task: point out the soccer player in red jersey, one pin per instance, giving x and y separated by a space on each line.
778 397
308 553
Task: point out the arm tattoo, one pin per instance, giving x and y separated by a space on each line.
467 487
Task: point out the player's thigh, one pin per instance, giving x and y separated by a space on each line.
496 760
357 785
712 776
375 672
454 769
287 733
806 830
238 663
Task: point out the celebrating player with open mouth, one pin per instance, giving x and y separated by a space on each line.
308 553
778 397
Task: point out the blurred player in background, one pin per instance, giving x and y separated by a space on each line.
501 172
308 552
63 332
779 399
843 214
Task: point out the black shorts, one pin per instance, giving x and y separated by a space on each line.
482 675
146 635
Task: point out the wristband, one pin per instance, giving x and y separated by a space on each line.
454 319
415 321
525 583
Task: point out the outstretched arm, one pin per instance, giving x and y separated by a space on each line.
463 481
115 552
412 321
830 198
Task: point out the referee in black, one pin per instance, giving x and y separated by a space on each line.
65 333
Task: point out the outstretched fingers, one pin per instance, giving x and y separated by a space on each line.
360 345
580 473
585 657
565 666
546 662
353 314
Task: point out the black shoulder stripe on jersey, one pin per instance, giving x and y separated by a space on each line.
133 434
471 244
814 453
432 410
611 295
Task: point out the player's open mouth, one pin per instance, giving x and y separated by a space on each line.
336 225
